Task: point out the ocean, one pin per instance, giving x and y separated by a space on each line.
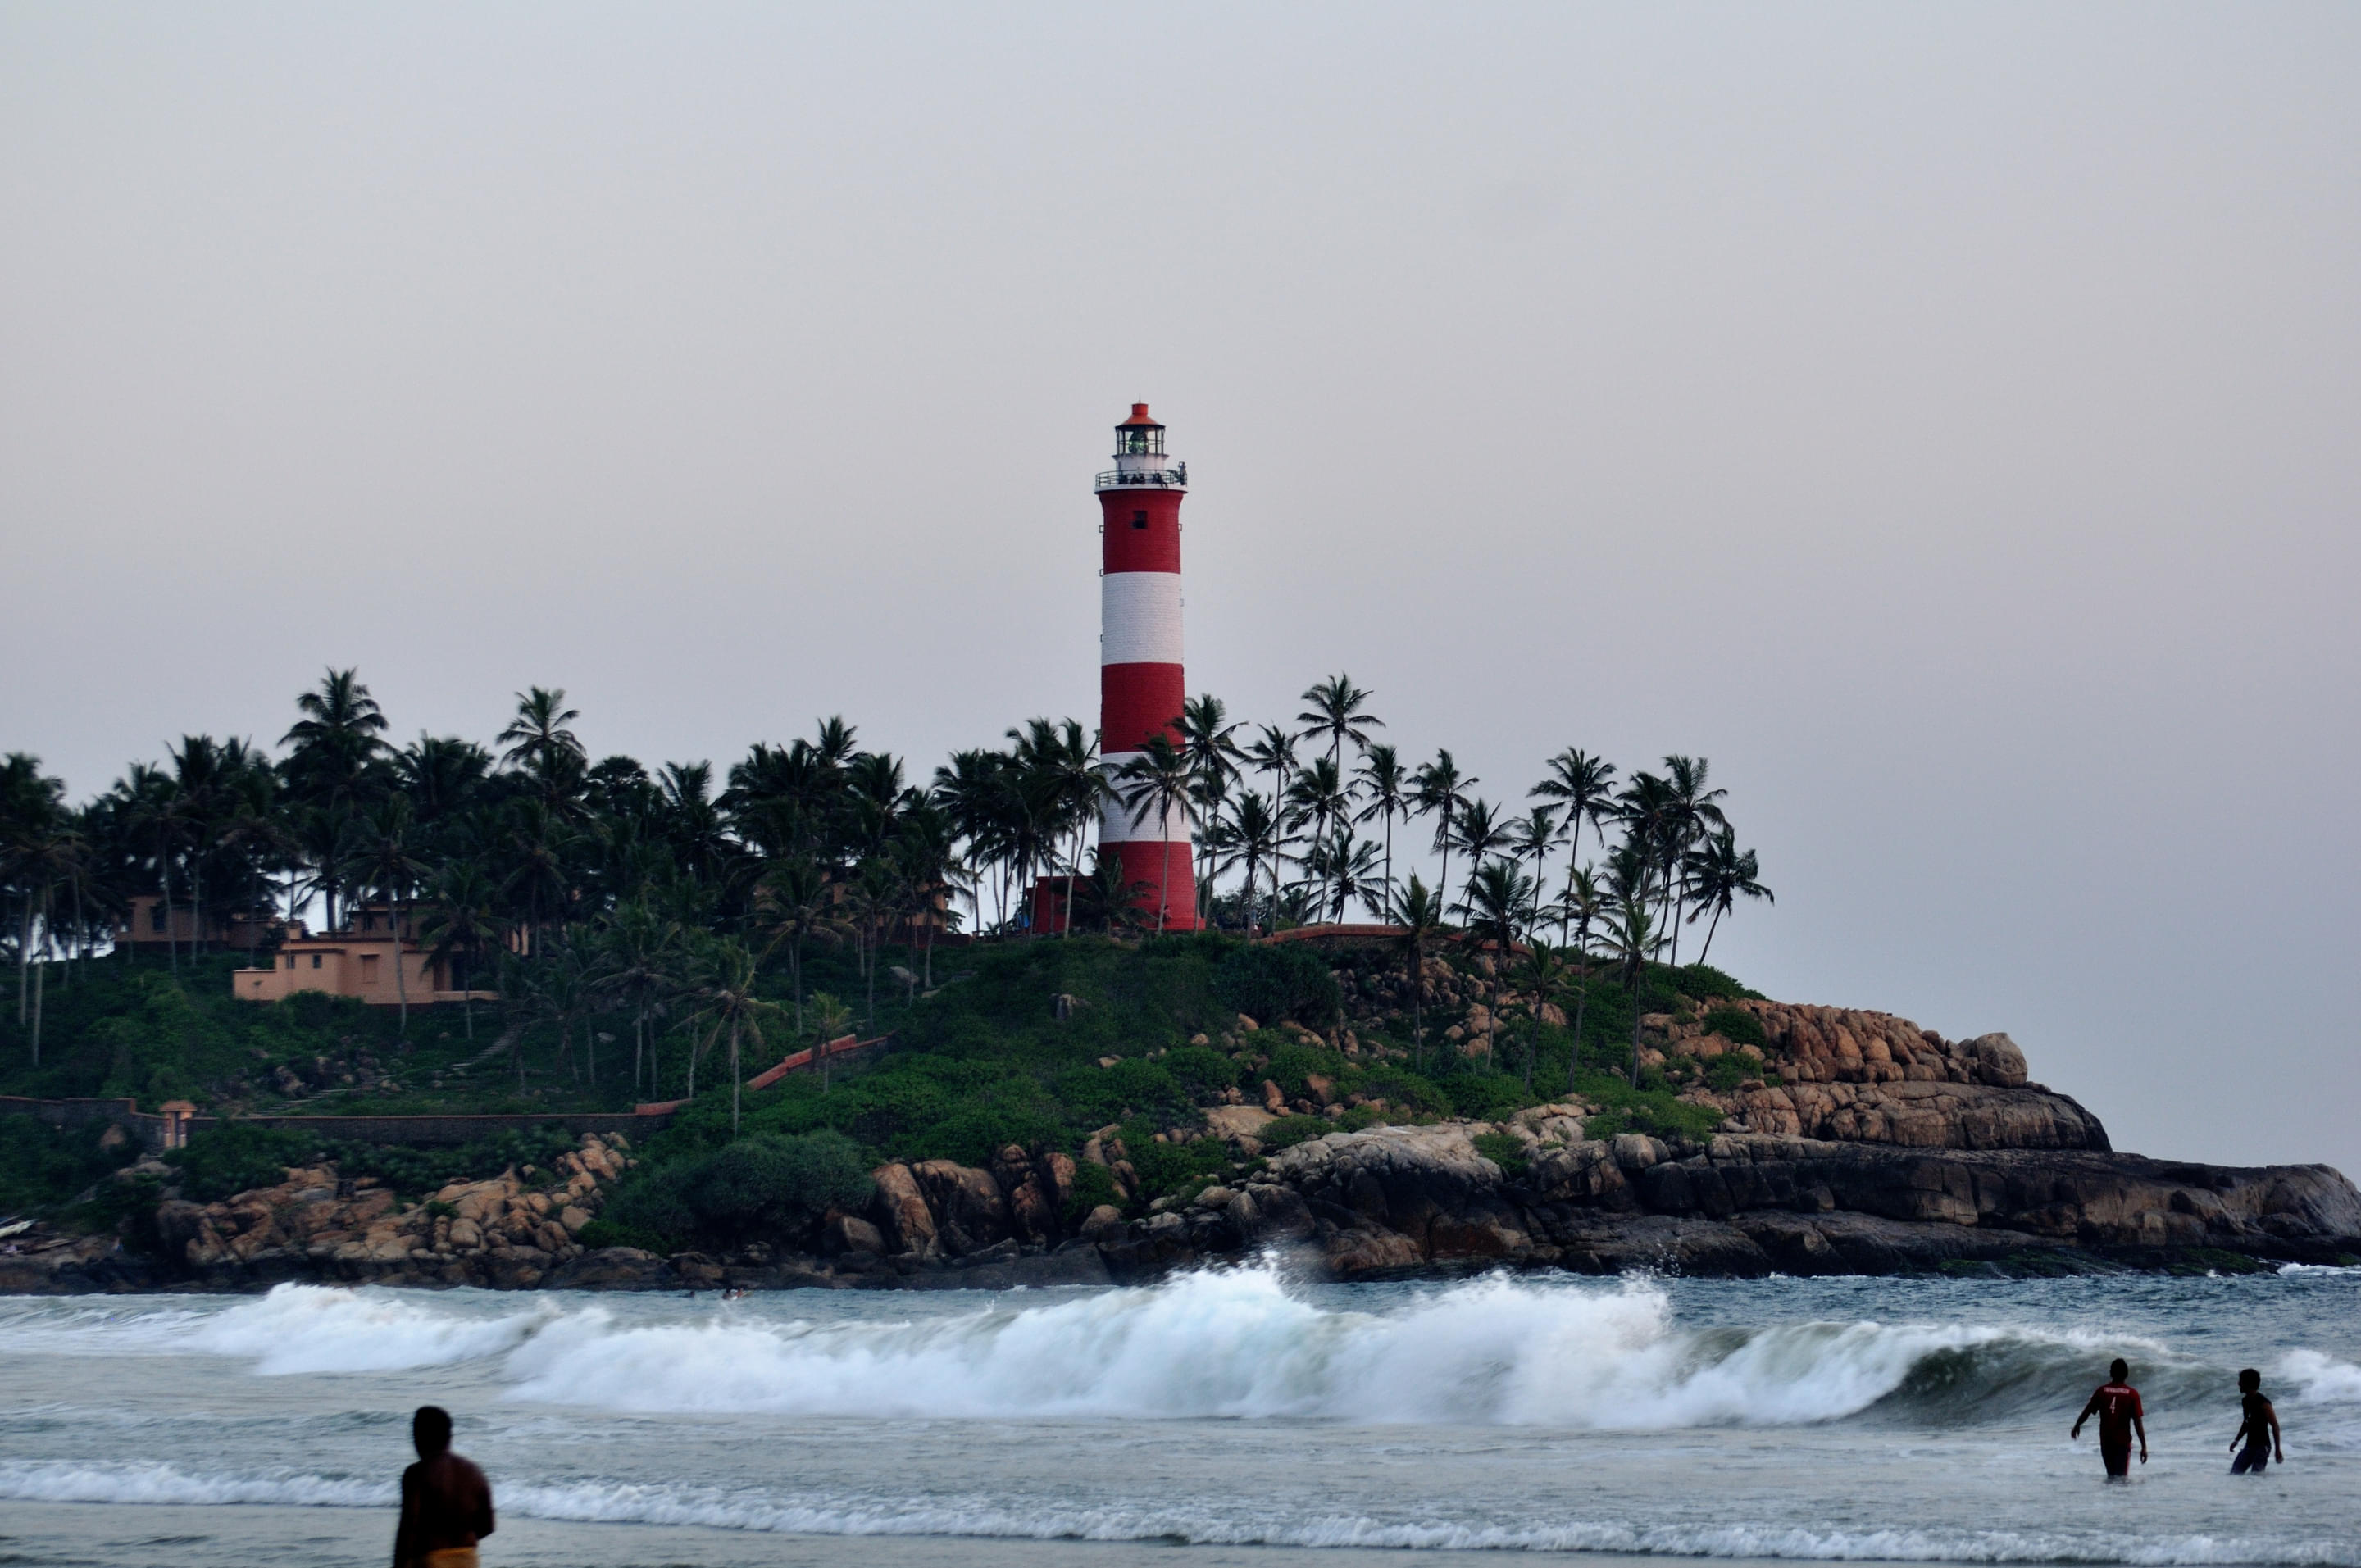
1230 1417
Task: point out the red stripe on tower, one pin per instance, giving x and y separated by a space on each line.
1140 682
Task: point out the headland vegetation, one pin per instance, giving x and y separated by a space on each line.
1513 1066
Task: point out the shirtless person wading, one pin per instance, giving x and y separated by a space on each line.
2118 1406
447 1504
2258 1428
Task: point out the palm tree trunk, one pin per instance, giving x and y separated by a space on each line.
733 1078
1164 891
171 937
1710 927
24 961
400 981
1581 1001
1635 1036
41 978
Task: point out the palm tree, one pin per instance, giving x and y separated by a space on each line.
1440 792
831 1020
726 999
1695 815
641 956
563 988
1478 831
1586 905
1347 869
1154 786
335 763
1418 911
797 906
1543 972
1318 796
1495 903
538 740
1273 752
871 904
1583 784
1062 762
1719 875
1335 711
538 846
1256 838
1633 933
457 923
1535 834
1208 738
926 858
32 807
1386 784
382 852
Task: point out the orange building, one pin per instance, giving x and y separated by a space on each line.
150 926
359 961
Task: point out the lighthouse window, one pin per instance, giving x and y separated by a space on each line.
1139 520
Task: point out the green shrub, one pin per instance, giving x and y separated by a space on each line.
1402 1090
1093 1185
1486 1096
42 1167
1505 1150
1269 983
1165 1168
1292 1065
1737 1026
1200 1072
603 1231
760 1187
237 1157
1290 1131
1727 1073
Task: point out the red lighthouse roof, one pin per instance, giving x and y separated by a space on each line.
1139 419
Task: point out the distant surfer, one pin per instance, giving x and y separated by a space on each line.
2117 1405
2258 1428
447 1504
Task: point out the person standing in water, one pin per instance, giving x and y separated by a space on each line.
447 1504
2258 1428
2117 1405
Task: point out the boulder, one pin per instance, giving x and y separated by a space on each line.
900 1212
970 1212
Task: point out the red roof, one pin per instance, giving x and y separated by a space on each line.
1138 417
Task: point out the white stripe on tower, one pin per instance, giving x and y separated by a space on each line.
1139 617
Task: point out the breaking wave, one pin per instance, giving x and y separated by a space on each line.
1227 1344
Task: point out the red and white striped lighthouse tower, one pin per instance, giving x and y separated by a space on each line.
1140 684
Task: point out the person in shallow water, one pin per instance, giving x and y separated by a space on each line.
447 1504
2117 1405
2258 1428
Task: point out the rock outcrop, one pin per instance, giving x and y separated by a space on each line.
1394 1199
1847 1141
513 1231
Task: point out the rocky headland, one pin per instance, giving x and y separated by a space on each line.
1853 1142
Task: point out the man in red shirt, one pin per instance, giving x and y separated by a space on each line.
2118 1406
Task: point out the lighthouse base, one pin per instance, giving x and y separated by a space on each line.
1169 880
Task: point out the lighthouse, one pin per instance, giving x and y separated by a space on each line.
1140 684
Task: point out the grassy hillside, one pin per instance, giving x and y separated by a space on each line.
984 1061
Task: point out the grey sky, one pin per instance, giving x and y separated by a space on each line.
1942 418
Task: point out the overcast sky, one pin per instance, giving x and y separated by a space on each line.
1942 418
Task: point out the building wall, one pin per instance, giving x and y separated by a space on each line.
355 965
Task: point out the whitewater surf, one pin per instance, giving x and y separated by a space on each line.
1840 1420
